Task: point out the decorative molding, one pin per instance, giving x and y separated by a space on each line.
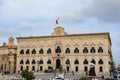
27 46
76 45
49 46
41 46
93 44
100 44
85 44
34 46
67 45
22 46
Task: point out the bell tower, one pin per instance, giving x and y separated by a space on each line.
11 40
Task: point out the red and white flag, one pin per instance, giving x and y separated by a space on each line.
57 20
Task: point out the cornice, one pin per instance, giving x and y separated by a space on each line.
88 35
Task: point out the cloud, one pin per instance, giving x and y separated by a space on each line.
1 2
7 32
27 25
107 11
104 10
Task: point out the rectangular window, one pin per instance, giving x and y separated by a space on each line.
41 68
76 69
68 68
33 68
27 67
21 68
85 68
101 69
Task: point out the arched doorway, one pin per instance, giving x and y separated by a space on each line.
58 64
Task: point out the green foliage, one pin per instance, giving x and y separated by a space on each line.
84 78
27 74
109 79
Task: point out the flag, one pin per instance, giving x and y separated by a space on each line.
57 20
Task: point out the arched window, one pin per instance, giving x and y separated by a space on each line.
41 51
92 50
67 61
49 51
85 50
27 51
93 61
21 62
33 51
85 61
100 61
58 50
33 61
67 50
22 51
76 61
49 61
100 50
27 62
76 50
41 61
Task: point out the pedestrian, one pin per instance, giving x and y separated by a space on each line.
55 73
64 73
86 73
72 72
102 77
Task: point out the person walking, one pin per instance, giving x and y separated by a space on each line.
102 77
72 72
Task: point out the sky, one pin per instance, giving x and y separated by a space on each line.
37 18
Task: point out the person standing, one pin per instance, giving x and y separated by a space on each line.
72 72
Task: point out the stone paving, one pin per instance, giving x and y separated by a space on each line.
10 76
45 76
68 76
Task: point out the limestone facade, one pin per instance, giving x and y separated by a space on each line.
8 56
72 52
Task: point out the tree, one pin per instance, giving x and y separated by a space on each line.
27 74
84 78
113 66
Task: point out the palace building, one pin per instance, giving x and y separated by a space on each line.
71 52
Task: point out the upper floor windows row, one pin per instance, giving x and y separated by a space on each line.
58 50
93 50
85 50
41 51
35 62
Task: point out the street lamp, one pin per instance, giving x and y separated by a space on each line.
38 63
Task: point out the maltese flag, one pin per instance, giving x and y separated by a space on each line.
57 20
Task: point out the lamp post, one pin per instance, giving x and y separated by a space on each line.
38 63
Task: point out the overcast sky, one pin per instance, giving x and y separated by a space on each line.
37 18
